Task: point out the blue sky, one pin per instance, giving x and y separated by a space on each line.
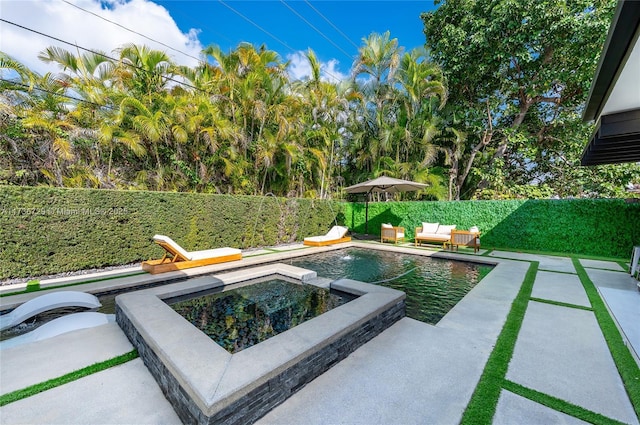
333 29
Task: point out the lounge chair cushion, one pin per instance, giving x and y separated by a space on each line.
387 226
197 255
213 253
177 248
336 232
445 230
429 227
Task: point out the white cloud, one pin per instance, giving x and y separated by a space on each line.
299 68
66 22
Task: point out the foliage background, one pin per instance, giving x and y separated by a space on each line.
490 108
602 227
51 230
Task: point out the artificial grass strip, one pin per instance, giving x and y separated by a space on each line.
46 288
482 406
559 404
556 271
625 266
561 304
65 379
626 364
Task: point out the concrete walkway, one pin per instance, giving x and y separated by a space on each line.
413 373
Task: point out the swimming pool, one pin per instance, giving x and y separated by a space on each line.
433 286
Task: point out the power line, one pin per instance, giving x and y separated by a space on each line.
316 29
101 54
271 35
257 26
56 94
331 23
130 30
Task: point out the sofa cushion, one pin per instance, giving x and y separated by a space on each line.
429 227
387 226
445 230
433 236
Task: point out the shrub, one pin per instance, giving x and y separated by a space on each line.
600 227
50 230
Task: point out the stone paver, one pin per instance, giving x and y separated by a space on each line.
513 409
561 287
561 351
125 394
620 293
597 264
547 262
36 362
412 373
626 304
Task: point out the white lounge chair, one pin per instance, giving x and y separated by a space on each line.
335 235
47 302
177 258
59 326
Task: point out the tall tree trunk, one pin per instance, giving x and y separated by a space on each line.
486 139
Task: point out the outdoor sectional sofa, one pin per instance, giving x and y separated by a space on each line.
434 233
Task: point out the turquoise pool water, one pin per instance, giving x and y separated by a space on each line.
433 288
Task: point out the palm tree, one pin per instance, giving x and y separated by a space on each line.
143 70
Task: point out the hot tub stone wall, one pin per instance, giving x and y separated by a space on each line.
261 400
182 403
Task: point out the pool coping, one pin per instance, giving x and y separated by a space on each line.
122 283
217 381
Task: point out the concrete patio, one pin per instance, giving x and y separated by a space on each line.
411 373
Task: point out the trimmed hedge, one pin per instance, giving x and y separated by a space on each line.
51 230
601 227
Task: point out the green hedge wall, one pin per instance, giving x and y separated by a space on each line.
600 227
50 230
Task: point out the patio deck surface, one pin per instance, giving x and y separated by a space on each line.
411 373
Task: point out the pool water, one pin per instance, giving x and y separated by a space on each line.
433 286
239 318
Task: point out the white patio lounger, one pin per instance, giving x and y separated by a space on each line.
47 302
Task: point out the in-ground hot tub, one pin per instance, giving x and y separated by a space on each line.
257 310
206 384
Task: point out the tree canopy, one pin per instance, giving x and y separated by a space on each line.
518 73
490 109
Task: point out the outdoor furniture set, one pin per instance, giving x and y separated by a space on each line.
177 258
447 235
